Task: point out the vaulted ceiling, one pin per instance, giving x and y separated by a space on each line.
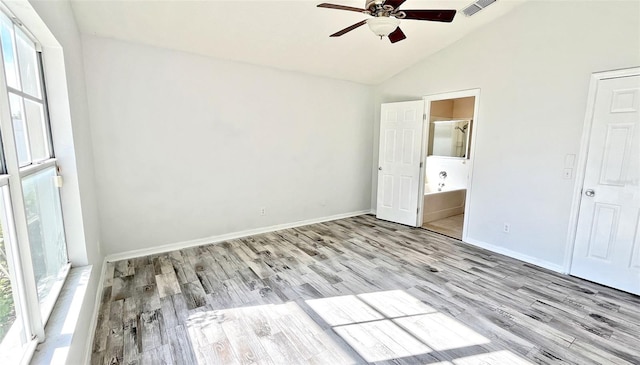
288 35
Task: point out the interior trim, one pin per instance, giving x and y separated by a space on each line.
516 255
225 237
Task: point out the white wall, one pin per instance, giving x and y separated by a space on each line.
188 147
533 68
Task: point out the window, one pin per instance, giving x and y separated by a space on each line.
46 236
24 87
12 334
33 252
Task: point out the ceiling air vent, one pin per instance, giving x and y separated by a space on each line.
477 6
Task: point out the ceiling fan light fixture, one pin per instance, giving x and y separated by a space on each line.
382 26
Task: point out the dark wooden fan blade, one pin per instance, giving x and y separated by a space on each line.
340 7
397 35
432 15
348 29
394 3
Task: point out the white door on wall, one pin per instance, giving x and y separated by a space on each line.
399 162
607 244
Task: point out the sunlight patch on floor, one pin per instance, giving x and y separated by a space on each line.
441 332
379 326
342 310
381 340
393 324
272 333
395 303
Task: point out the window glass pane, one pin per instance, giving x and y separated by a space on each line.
10 67
38 140
19 129
28 64
12 336
46 235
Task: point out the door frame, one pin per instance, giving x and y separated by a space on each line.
472 149
581 164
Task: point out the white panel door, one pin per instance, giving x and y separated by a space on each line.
607 247
399 163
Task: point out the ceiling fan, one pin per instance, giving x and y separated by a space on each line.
386 17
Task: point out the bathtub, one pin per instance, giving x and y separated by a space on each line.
442 204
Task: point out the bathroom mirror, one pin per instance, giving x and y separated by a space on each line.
449 138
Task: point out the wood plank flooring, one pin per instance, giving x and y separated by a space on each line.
356 291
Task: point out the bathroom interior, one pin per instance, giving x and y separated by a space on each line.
447 168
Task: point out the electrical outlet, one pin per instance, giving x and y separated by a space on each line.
506 228
263 211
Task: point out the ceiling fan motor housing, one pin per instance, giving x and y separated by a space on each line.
378 8
369 3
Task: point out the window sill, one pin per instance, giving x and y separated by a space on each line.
62 323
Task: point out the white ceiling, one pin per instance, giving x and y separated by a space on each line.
288 35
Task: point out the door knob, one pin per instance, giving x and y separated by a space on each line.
590 193
380 168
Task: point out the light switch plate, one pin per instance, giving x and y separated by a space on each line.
569 161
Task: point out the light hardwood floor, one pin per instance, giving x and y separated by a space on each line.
354 291
450 226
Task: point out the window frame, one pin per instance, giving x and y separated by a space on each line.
34 314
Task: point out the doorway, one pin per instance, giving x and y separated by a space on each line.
450 122
404 148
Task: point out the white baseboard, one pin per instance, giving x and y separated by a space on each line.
516 255
94 318
225 237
